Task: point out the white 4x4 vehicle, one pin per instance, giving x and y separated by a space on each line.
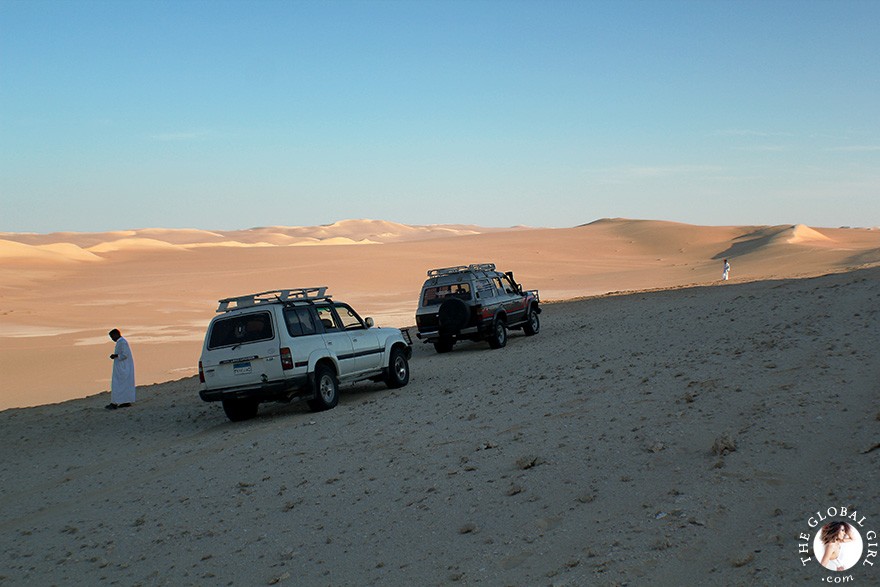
294 343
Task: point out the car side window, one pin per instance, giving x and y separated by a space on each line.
300 321
507 285
350 319
327 318
485 289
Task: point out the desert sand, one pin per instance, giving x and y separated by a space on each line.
61 293
671 437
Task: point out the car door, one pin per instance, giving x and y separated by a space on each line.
305 337
336 339
514 302
364 342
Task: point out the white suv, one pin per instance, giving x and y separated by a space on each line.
294 343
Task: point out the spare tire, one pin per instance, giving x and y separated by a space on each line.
452 316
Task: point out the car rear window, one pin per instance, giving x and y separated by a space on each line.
241 330
433 296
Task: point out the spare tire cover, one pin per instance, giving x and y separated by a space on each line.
453 315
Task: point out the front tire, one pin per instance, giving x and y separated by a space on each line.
398 369
533 325
239 410
498 337
326 389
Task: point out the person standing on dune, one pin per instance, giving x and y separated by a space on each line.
725 273
122 384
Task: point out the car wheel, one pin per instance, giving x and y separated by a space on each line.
533 325
326 389
398 369
452 315
498 337
238 410
444 345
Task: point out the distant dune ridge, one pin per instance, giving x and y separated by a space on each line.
338 233
60 293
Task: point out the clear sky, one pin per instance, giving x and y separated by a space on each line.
128 114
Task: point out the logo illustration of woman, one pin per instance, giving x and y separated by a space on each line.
834 535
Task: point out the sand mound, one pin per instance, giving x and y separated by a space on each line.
134 244
180 236
800 233
54 253
230 244
335 240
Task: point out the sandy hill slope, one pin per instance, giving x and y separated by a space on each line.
161 289
12 252
679 437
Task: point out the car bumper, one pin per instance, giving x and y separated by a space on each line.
432 335
275 391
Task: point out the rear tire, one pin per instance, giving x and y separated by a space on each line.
239 410
326 389
498 336
398 369
444 345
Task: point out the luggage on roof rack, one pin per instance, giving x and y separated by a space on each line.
277 296
460 268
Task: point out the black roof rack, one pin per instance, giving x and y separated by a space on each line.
460 269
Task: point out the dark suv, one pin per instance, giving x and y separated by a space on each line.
474 302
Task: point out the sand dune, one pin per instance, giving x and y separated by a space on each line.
134 243
11 251
363 231
161 279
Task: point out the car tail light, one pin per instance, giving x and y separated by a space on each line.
286 359
201 373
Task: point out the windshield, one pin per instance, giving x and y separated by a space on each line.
433 296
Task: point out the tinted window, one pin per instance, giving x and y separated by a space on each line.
241 330
300 321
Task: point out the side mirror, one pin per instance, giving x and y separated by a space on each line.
369 322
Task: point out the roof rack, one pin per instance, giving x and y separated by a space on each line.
277 296
460 268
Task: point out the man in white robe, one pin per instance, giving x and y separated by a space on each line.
122 384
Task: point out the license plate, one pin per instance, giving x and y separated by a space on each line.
241 368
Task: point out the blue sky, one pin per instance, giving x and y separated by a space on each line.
226 115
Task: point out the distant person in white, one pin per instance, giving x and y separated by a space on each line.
122 384
726 272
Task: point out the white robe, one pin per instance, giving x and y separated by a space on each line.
122 384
